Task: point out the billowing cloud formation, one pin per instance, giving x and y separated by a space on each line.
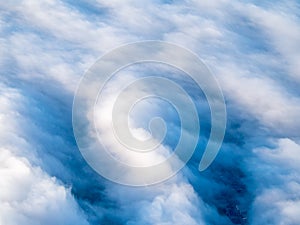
28 194
253 50
278 168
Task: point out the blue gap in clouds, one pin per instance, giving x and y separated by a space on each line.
91 11
48 108
226 184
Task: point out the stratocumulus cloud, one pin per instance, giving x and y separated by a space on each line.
253 50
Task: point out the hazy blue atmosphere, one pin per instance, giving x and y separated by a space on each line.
252 48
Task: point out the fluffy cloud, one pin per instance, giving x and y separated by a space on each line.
28 195
277 184
251 47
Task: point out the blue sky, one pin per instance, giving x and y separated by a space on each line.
252 48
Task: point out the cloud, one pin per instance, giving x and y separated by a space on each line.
264 99
171 202
29 195
284 36
277 184
253 50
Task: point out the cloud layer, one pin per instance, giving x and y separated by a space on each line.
251 47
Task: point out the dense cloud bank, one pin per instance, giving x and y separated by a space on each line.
251 47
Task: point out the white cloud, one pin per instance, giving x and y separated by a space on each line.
172 202
262 98
48 45
29 196
282 28
277 184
